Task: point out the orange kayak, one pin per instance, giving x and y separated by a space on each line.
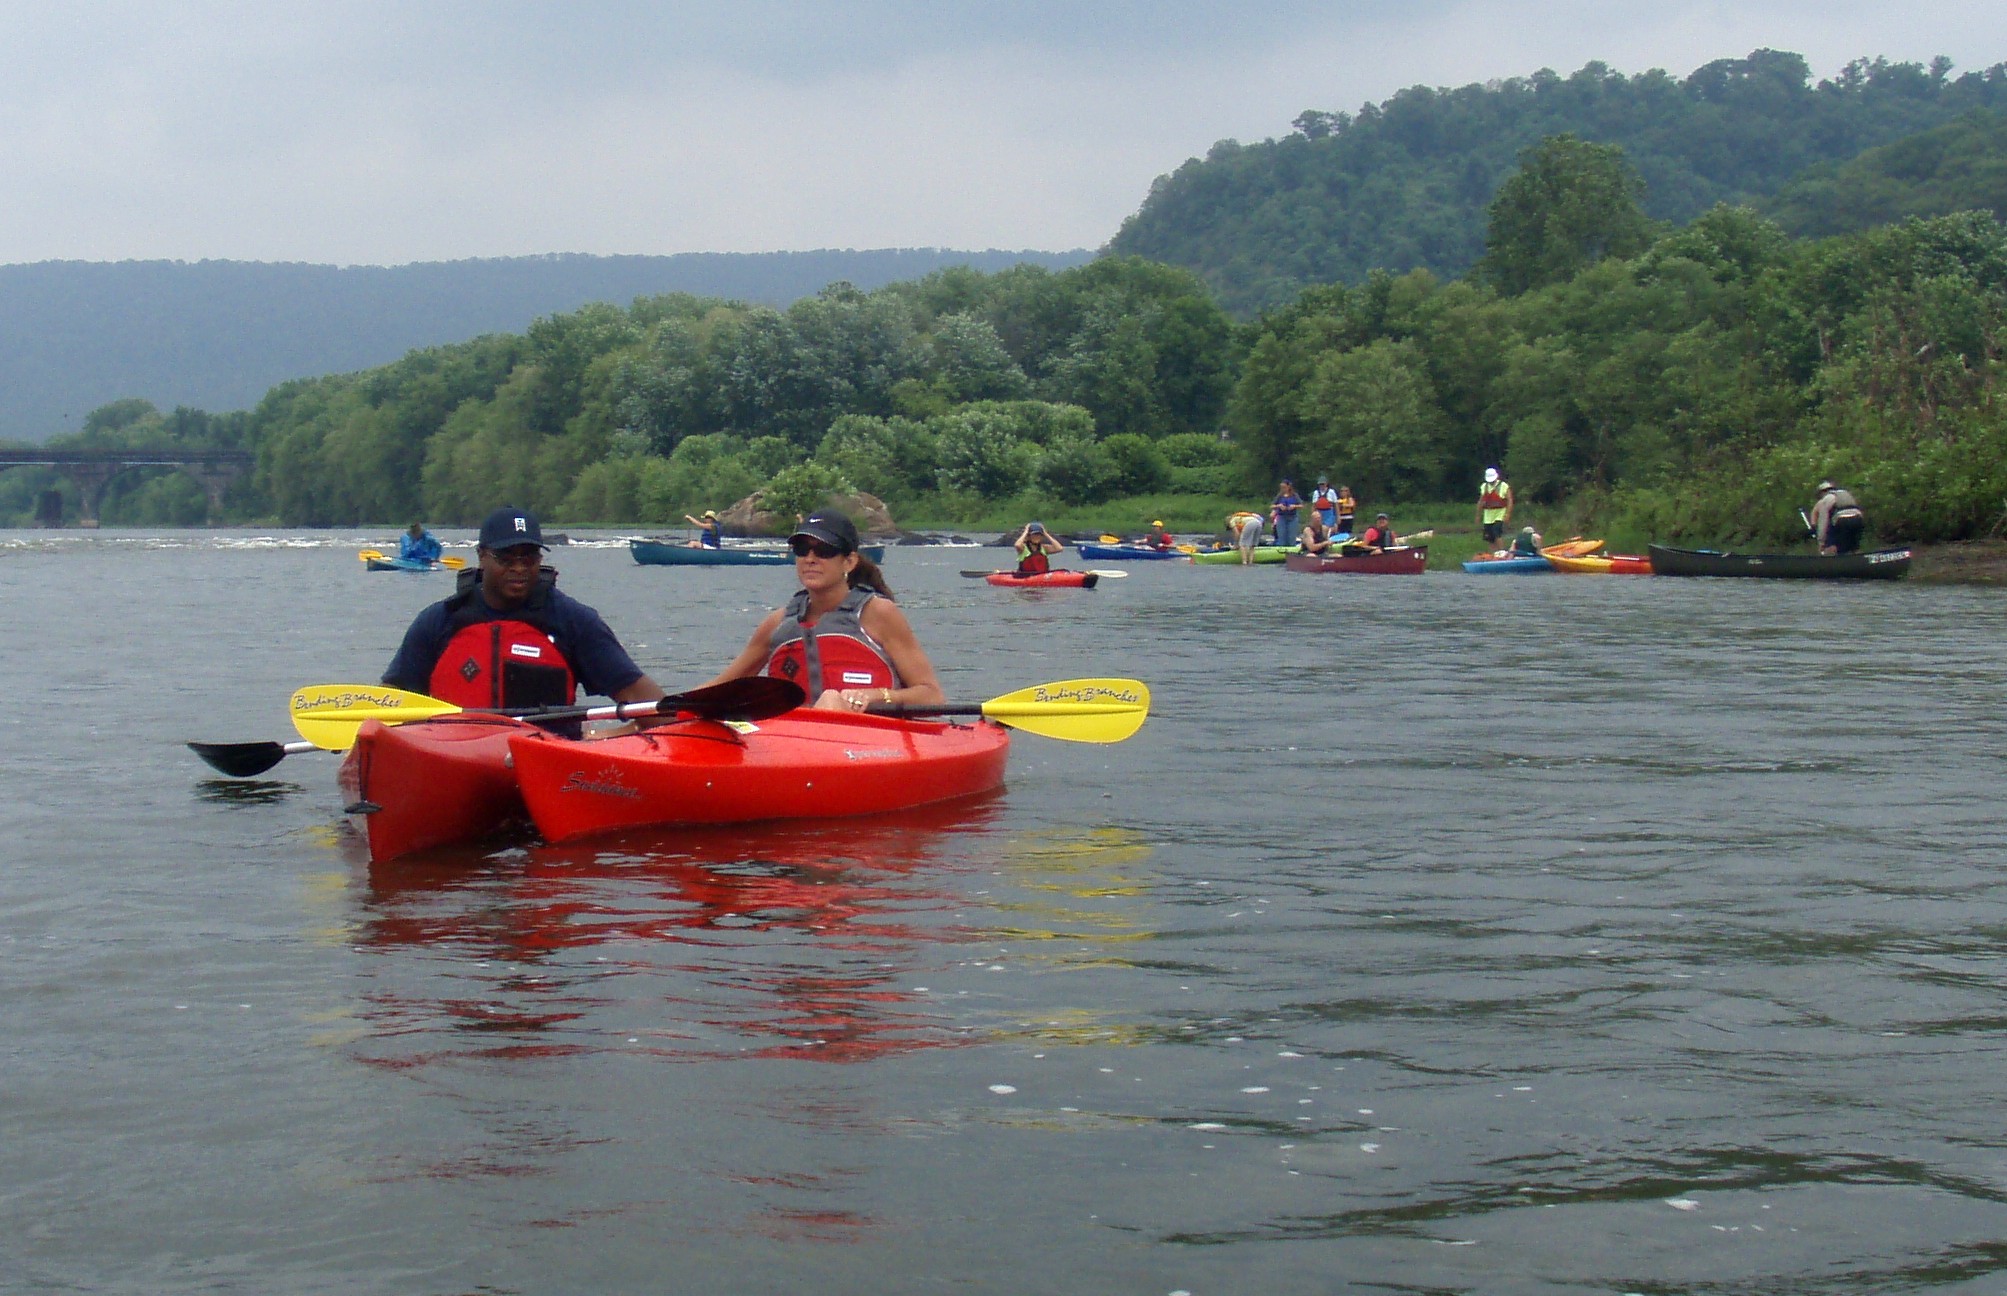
806 764
431 783
1603 565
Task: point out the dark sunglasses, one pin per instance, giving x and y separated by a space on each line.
803 547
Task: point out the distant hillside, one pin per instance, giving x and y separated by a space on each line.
1405 183
1961 166
75 335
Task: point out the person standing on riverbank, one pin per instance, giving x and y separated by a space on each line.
1324 503
1494 507
1348 512
1245 528
1837 520
1283 510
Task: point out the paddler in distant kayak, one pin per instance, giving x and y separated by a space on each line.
1494 507
1035 547
419 545
1526 544
1316 537
1837 520
1379 537
841 637
508 637
1157 537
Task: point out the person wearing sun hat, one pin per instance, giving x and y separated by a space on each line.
710 532
1494 507
841 637
508 637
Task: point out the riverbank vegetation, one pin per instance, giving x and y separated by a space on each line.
1634 377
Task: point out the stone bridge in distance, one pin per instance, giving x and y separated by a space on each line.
92 471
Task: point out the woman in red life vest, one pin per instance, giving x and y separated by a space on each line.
1035 546
841 637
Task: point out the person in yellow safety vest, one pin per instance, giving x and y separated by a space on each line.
1494 507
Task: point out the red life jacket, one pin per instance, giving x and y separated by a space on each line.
510 661
833 651
1034 562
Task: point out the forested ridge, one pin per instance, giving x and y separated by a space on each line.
1655 379
1405 184
219 334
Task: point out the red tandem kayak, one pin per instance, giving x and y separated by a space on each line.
805 764
1046 580
431 782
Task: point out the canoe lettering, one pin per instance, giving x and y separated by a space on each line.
607 785
872 753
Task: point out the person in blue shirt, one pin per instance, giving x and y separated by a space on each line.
710 531
508 637
1284 511
418 545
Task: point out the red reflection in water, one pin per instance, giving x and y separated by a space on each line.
790 939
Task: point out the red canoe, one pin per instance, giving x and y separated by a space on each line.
803 765
432 782
1046 580
1404 561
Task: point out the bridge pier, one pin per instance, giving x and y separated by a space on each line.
91 481
214 482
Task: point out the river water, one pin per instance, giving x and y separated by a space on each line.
1450 934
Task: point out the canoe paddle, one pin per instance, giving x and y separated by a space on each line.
1078 710
327 715
376 555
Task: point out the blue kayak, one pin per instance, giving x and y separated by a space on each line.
1129 553
1517 565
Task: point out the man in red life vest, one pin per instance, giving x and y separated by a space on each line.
508 637
1380 536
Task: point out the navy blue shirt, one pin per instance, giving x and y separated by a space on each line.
597 660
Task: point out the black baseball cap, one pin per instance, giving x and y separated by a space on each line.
507 528
830 527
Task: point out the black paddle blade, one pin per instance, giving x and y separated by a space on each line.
755 697
240 760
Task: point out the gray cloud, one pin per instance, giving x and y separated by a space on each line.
393 132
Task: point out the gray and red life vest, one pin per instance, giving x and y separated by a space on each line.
508 661
833 651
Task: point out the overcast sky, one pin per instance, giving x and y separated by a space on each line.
412 131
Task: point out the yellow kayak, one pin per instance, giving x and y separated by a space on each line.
1603 565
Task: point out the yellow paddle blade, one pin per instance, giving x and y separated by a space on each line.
370 555
455 563
1079 710
327 715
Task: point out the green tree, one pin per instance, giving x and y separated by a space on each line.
1570 204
